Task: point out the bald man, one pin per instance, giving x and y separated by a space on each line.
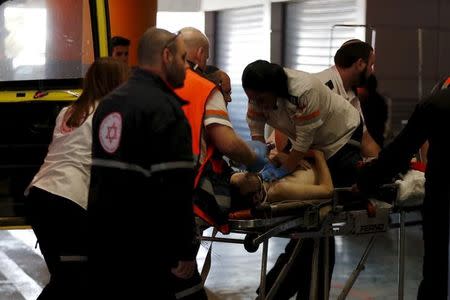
218 128
212 137
142 168
197 47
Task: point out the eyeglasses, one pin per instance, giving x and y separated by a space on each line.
172 40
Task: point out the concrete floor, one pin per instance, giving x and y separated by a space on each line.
235 273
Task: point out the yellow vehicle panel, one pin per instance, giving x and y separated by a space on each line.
34 95
40 73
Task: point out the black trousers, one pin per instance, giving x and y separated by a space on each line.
60 226
189 289
435 216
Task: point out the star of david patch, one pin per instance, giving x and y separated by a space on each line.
110 132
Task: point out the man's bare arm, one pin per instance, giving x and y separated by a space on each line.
230 144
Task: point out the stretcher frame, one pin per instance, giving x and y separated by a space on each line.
318 219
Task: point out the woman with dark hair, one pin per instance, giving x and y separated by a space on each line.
312 117
57 196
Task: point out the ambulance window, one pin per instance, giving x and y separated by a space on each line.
45 40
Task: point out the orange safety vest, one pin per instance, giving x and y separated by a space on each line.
195 92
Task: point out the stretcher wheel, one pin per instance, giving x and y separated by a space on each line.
249 243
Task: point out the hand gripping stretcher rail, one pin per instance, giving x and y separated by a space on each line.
343 214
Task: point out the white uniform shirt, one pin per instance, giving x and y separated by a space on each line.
67 167
332 75
314 117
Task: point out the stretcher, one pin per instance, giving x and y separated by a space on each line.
343 214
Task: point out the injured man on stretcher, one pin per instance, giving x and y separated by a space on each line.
311 180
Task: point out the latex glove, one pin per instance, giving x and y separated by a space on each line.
271 173
261 150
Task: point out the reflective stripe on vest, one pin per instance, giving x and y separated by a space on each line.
165 166
195 92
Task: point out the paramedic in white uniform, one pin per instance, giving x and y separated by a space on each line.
354 63
313 117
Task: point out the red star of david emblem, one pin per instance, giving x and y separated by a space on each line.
112 132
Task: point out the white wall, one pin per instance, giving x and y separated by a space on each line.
174 21
208 5
179 5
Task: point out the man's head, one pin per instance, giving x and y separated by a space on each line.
197 46
357 59
221 79
263 82
163 53
119 48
